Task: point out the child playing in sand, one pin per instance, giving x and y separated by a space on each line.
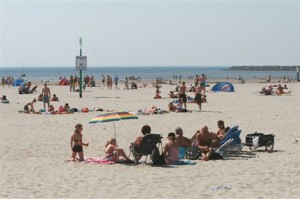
76 143
28 108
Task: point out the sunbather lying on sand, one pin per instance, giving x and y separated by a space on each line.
154 110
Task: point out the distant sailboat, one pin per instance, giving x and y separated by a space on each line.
23 74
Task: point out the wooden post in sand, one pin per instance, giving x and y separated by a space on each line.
298 78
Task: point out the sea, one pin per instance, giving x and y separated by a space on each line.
143 72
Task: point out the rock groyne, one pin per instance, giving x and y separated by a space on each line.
265 68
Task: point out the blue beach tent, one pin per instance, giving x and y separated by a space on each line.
18 82
223 87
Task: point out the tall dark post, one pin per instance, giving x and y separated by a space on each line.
80 76
298 78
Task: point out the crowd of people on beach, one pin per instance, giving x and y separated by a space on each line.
183 99
203 141
90 81
180 94
275 90
7 81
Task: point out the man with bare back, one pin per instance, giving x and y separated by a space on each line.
46 95
199 92
182 94
182 141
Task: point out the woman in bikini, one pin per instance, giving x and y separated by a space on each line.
76 143
113 153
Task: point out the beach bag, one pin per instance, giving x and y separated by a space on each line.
216 156
85 110
192 153
157 158
74 109
255 142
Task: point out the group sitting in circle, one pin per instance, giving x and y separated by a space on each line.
203 140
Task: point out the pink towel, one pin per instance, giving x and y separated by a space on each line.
93 160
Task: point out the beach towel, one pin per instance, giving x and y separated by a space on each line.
181 152
93 160
183 162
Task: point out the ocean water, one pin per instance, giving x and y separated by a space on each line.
146 73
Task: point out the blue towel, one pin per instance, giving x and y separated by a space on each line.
181 152
181 162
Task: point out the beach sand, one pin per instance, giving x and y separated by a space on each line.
34 148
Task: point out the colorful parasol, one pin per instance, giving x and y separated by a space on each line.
113 116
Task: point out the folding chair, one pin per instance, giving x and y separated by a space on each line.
150 141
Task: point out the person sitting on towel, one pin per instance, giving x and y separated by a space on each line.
54 98
113 153
182 141
171 149
204 139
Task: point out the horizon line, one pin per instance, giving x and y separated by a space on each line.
106 66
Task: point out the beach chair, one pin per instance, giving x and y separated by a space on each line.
222 150
235 144
23 90
33 89
149 143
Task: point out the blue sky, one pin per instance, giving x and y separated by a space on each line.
150 33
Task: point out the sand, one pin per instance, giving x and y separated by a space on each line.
34 148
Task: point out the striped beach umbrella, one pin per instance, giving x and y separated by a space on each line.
112 117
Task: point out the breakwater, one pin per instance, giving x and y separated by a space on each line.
264 68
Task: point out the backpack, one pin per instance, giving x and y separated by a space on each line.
216 156
192 153
157 158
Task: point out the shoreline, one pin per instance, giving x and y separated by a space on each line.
150 74
264 68
188 81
